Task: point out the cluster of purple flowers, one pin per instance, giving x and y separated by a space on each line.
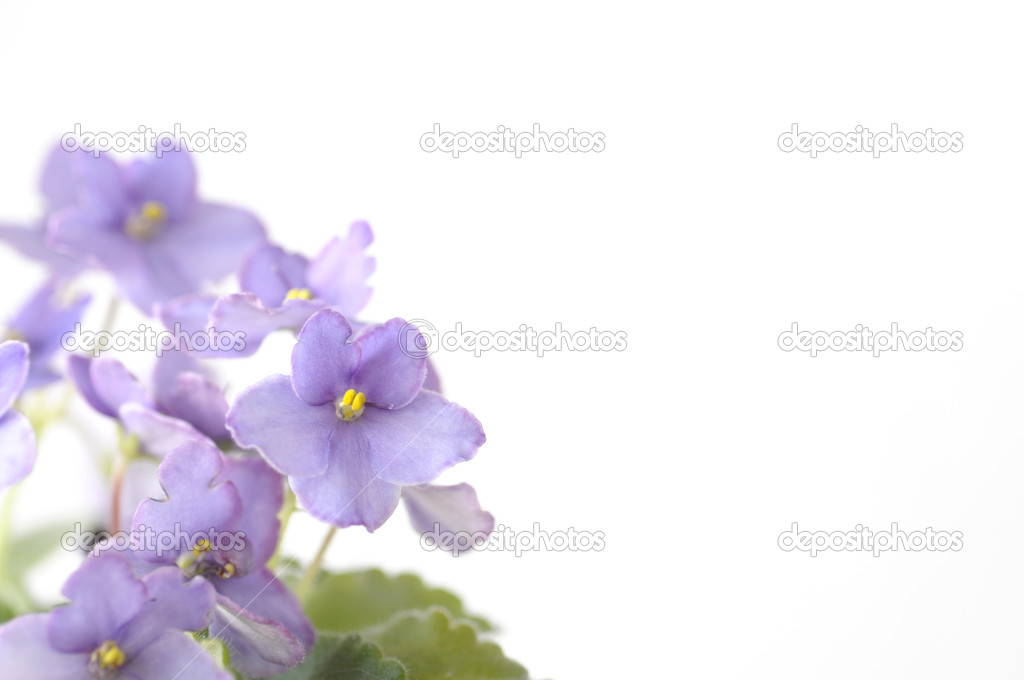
357 426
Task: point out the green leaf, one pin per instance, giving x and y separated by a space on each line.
351 602
433 647
339 658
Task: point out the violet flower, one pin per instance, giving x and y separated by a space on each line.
143 223
282 290
17 438
60 187
352 425
41 323
116 626
237 498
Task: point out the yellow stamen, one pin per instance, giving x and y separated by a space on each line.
350 406
148 222
108 656
299 294
229 571
201 546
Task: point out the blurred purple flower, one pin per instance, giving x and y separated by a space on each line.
59 185
17 438
116 626
41 323
232 502
353 425
143 223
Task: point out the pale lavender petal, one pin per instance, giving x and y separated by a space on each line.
174 656
245 313
200 403
270 272
80 372
452 509
159 434
413 445
59 182
265 595
259 647
194 504
292 435
104 596
169 180
30 242
389 374
17 448
189 313
339 273
139 483
433 381
115 385
27 654
323 360
102 185
348 493
13 371
168 367
262 490
172 603
211 242
44 319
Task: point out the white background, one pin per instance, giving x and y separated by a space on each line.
694 448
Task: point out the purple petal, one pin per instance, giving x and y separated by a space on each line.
338 274
27 654
265 595
44 319
169 179
200 403
323 360
139 483
259 647
17 448
211 242
59 182
245 313
114 384
172 603
80 372
102 185
262 491
194 504
433 380
292 435
348 493
95 234
168 367
30 242
413 445
452 508
13 371
104 596
159 434
190 313
270 272
389 374
174 656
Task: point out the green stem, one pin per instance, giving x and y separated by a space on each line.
306 584
285 516
6 522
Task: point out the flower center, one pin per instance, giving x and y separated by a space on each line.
299 294
350 406
148 222
106 660
204 561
